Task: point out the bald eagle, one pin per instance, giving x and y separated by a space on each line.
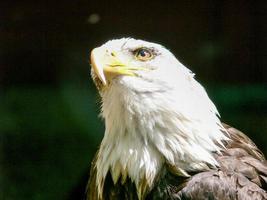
163 136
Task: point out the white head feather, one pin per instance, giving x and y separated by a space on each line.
160 116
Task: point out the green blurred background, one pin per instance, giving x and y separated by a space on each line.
49 125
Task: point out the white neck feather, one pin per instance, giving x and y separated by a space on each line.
144 130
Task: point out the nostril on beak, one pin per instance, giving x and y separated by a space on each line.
112 54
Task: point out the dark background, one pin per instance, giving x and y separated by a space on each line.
49 125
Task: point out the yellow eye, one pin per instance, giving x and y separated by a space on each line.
143 54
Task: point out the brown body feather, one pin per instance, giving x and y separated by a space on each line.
242 176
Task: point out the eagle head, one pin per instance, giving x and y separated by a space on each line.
137 65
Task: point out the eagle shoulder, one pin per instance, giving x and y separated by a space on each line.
242 174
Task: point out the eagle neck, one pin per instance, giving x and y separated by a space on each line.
144 131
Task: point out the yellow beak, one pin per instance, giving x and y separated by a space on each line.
107 65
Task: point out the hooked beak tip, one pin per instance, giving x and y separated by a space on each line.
97 66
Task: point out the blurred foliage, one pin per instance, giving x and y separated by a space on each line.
50 135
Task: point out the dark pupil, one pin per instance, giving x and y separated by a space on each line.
143 53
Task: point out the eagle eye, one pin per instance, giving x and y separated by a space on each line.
143 54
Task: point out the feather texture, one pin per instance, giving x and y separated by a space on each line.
242 175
